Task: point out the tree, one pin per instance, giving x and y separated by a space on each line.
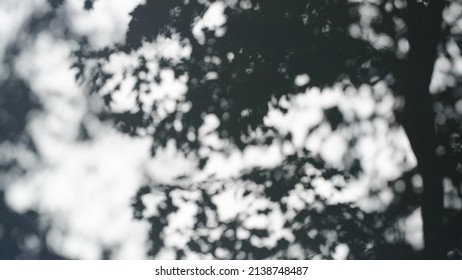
424 21
248 64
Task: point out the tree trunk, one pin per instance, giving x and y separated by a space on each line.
424 33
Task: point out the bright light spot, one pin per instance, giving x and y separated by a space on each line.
302 80
341 252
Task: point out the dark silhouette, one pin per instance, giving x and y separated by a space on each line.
424 33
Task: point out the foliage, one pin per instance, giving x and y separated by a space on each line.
299 222
237 72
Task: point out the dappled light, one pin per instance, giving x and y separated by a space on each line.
235 129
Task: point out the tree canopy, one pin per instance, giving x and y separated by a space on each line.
217 77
